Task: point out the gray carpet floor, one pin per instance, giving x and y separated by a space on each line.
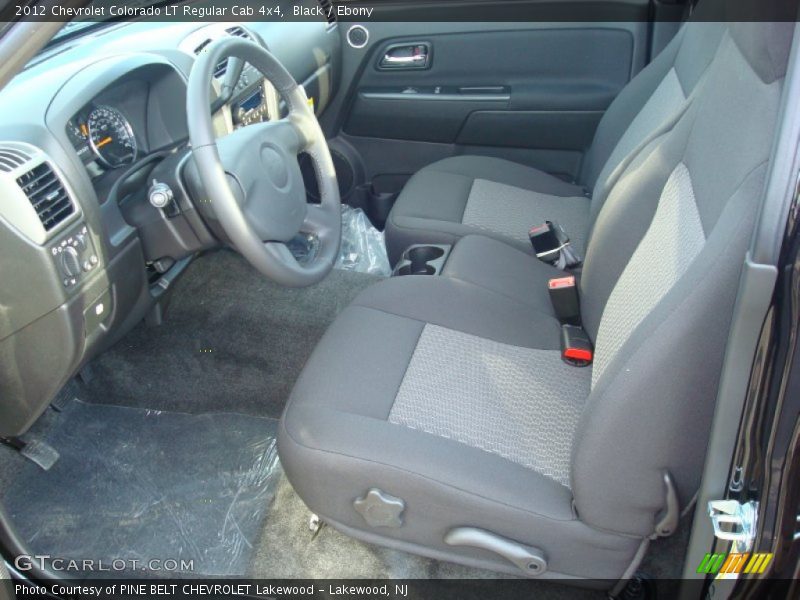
231 341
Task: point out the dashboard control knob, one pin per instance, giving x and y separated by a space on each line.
70 262
80 242
160 194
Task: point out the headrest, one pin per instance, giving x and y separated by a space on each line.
763 31
766 46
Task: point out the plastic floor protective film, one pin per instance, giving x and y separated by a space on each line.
363 247
138 485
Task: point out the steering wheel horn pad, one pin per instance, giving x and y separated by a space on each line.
263 160
267 206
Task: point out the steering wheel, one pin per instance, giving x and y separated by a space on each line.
252 177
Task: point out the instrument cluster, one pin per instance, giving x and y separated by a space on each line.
101 134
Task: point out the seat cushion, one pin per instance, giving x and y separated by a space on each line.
472 194
493 265
463 410
520 403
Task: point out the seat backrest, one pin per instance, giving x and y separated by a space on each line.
650 103
660 279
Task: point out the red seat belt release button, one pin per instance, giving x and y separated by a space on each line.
561 282
576 347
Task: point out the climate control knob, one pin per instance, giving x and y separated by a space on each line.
70 262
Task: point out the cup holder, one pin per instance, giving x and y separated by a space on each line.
412 269
424 254
422 260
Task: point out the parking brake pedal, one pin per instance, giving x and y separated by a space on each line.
37 451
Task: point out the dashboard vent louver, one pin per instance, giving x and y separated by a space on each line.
11 158
47 195
221 69
222 66
202 47
327 10
238 32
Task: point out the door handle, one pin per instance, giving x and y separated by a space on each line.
404 60
406 56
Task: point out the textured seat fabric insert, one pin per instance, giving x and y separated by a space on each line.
673 240
521 403
512 211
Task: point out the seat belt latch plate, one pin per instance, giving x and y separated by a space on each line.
547 240
551 245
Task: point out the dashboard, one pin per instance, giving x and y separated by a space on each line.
87 131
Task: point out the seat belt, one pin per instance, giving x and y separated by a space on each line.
576 347
551 245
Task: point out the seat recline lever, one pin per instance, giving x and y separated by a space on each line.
531 561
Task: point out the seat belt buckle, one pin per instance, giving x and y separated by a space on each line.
576 347
547 240
564 297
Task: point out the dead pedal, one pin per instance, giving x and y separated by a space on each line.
35 450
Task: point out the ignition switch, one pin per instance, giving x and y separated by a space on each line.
162 197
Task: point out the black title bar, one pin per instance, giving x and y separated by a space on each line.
400 10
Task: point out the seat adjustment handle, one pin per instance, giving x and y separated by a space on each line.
531 561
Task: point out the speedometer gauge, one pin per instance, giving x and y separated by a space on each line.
111 137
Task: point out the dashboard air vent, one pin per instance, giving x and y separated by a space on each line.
47 195
238 32
11 158
221 69
202 46
222 66
330 16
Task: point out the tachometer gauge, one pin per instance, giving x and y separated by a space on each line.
111 137
78 133
79 137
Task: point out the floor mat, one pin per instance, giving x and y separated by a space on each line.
232 341
135 485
